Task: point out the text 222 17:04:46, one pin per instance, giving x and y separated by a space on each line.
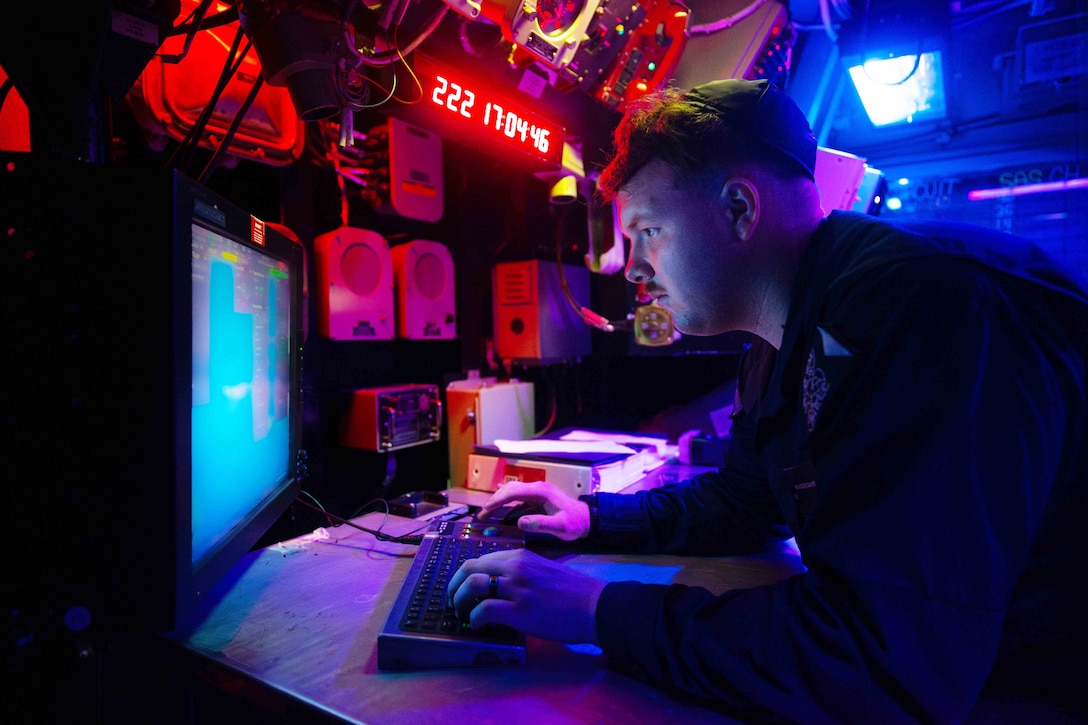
453 97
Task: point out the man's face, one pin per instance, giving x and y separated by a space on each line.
683 251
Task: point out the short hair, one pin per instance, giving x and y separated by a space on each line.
693 138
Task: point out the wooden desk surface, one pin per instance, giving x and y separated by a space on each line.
302 618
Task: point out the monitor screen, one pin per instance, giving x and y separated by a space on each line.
901 89
242 391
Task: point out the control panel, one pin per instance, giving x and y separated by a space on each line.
391 418
630 50
478 530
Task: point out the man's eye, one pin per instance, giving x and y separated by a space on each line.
651 231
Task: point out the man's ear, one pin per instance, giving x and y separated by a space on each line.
740 200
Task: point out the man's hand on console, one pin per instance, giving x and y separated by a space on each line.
530 593
563 517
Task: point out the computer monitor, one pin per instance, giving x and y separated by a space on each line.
152 409
900 89
245 398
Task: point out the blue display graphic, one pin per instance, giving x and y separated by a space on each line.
241 384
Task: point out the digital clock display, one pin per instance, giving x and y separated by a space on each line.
483 116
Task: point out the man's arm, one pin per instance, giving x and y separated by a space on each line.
727 512
934 466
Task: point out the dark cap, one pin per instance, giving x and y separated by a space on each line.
761 110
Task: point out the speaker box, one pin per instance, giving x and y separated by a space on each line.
355 285
426 308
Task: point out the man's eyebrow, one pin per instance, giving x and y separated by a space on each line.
639 214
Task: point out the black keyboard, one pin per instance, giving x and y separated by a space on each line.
423 630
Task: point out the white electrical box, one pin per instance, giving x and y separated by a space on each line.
415 172
482 410
487 472
839 176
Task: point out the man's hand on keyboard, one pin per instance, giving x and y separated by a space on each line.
530 593
564 517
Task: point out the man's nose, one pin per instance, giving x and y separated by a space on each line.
637 271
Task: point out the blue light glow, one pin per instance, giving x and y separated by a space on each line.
240 394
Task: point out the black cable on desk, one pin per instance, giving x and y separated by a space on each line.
380 536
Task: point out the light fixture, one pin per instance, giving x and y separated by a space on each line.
1043 187
564 191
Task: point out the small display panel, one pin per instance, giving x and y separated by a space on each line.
241 376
